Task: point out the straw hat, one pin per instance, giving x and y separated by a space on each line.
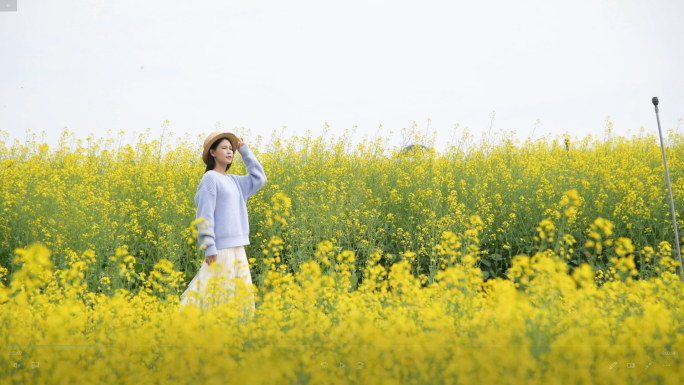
214 136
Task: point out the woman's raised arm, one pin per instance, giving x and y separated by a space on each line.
250 184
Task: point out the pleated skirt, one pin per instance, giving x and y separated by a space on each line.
223 279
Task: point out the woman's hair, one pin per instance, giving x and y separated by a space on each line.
211 162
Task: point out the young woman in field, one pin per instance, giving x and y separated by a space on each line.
221 201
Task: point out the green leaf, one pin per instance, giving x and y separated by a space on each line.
485 275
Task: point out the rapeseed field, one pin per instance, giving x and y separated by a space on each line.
492 261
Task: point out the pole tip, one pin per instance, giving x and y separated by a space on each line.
655 101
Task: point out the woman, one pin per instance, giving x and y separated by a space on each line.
221 201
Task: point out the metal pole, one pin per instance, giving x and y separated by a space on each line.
669 189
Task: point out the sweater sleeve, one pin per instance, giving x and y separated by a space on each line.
250 184
206 204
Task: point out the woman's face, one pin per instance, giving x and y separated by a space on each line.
224 152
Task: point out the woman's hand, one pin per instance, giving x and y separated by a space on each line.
240 143
210 259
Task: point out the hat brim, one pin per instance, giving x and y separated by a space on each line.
233 140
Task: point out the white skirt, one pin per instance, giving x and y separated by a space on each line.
214 284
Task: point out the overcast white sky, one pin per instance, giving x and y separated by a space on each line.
96 65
